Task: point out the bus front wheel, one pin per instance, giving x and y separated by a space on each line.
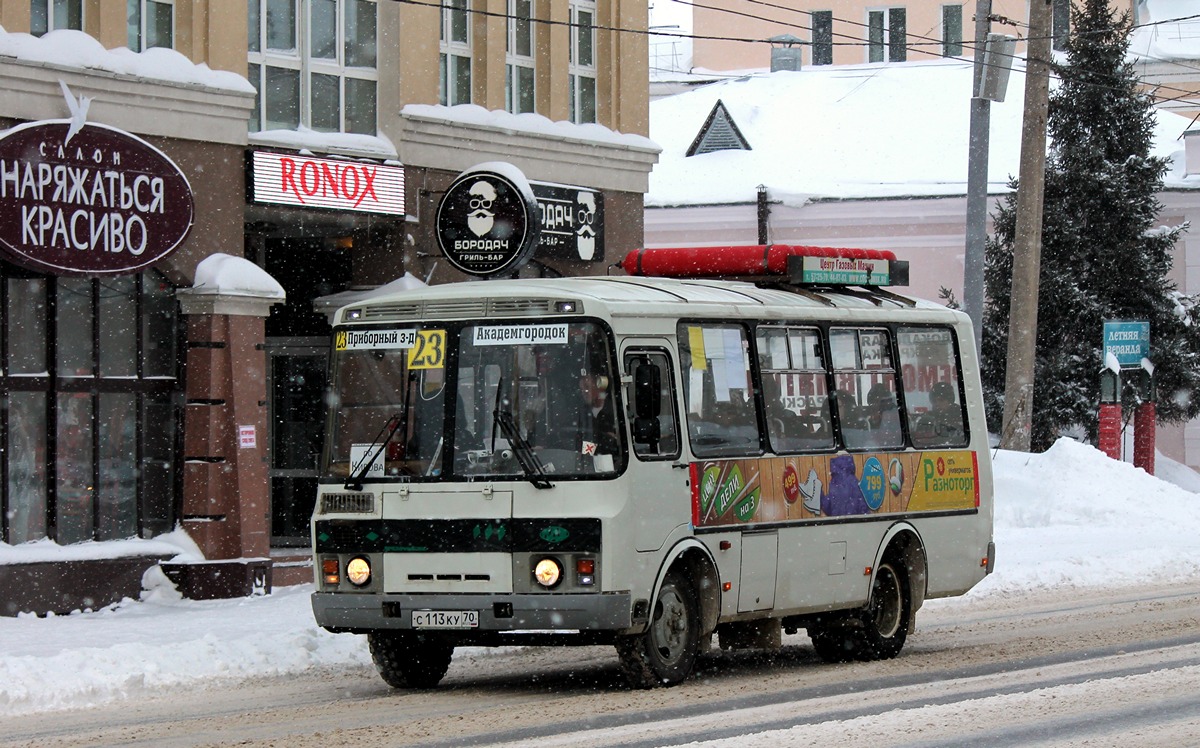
406 660
666 652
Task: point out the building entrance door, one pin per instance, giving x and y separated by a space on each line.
296 375
297 363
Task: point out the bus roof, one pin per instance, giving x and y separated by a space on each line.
625 296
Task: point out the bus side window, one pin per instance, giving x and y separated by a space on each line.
931 391
868 410
722 419
793 383
658 439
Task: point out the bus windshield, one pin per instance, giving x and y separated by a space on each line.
547 389
513 401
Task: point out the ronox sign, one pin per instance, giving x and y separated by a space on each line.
87 199
339 184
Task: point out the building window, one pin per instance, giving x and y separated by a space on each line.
822 37
313 63
519 88
455 58
150 24
1060 23
952 31
886 35
90 366
51 15
582 73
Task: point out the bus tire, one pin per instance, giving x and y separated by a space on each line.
406 660
835 641
886 617
666 652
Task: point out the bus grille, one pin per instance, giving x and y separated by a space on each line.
348 503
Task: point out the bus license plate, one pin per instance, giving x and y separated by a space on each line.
445 619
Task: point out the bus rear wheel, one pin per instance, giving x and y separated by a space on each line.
407 660
835 640
885 620
666 652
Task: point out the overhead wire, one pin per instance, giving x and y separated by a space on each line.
915 47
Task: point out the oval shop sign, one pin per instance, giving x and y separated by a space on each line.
96 201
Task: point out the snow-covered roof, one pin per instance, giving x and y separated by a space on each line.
847 132
1166 30
527 122
75 49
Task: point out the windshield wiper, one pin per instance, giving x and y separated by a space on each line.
354 482
525 455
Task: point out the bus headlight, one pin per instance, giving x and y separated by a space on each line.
358 571
548 572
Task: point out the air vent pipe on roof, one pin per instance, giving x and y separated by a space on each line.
786 52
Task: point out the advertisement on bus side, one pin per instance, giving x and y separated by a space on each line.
780 489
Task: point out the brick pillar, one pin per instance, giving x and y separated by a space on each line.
1145 420
1110 429
226 495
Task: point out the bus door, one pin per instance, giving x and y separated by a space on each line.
659 493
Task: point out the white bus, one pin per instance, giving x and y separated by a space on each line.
645 461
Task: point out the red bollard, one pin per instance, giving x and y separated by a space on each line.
1145 420
1110 429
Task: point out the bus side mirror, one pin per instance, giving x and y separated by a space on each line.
647 388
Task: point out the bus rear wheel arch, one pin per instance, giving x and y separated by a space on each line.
879 629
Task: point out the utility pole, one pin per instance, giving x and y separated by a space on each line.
1016 431
977 178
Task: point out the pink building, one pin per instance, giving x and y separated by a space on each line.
865 156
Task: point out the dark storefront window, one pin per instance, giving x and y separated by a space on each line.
90 379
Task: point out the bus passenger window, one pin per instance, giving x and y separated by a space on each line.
867 408
721 415
931 394
794 390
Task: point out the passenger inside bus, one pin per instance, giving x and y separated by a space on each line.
850 414
597 422
872 425
726 424
943 423
791 431
883 417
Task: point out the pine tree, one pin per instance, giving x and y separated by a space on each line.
1103 256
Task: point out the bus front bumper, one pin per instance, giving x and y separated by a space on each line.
496 613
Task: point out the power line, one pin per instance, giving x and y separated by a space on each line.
916 47
856 41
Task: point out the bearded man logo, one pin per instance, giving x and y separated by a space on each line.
481 218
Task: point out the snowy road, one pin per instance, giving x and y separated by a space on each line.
1102 668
